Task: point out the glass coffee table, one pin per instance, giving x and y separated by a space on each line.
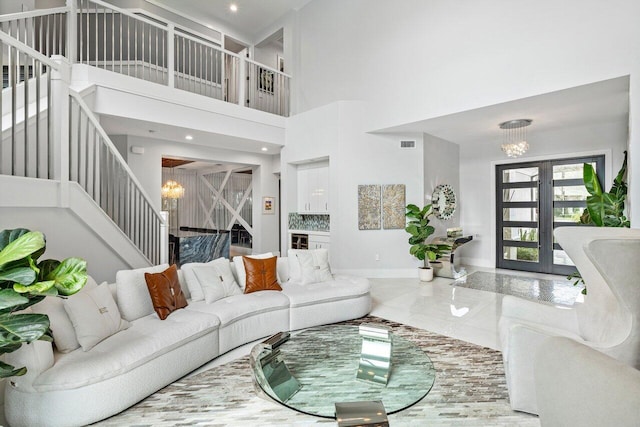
321 367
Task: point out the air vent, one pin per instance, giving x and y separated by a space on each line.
407 144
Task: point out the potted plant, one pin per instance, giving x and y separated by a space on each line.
24 282
420 230
604 209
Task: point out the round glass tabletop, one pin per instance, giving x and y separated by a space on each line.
317 367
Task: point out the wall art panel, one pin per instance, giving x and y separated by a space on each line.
369 217
393 206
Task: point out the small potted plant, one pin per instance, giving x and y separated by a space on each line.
420 230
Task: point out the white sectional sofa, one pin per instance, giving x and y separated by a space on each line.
81 387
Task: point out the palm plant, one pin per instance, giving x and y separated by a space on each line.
605 209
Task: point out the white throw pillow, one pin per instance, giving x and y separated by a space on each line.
64 336
194 285
295 273
240 271
95 316
190 278
214 285
314 266
133 295
223 266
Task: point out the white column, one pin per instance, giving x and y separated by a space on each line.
72 29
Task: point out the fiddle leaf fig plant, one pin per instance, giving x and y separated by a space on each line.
420 230
24 282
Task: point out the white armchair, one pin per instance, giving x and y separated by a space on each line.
608 320
578 386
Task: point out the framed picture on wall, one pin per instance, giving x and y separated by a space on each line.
268 205
265 80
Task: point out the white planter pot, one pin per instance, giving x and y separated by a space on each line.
425 274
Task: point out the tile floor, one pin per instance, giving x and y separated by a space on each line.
467 314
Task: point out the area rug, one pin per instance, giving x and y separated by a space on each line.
470 390
555 291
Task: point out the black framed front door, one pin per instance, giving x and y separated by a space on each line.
533 198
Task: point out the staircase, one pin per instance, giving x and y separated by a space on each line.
55 156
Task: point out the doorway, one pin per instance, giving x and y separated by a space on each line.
532 199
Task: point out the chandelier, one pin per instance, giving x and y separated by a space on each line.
172 190
515 137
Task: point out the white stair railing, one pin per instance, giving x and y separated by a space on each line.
48 132
43 30
26 140
96 164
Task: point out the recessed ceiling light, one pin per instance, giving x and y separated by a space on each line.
264 149
233 7
188 137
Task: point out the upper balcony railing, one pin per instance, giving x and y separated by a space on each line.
115 39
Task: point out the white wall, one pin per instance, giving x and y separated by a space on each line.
634 147
67 236
417 59
355 157
268 54
15 6
477 176
441 166
147 168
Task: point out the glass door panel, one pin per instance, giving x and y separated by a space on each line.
569 192
570 215
520 234
514 253
571 170
520 214
520 174
520 195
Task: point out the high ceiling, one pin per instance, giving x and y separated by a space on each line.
251 17
606 101
599 102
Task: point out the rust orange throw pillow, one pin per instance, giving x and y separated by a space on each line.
166 293
261 274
